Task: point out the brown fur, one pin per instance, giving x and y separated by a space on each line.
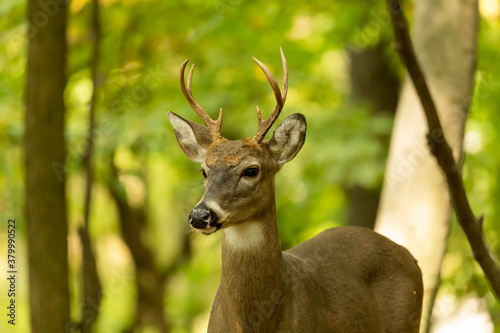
231 153
347 279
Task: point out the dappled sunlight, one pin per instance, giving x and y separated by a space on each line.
490 9
80 94
461 316
301 27
116 270
143 44
113 253
473 142
200 323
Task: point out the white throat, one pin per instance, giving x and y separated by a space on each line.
245 236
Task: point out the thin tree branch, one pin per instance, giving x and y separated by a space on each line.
87 160
92 289
471 225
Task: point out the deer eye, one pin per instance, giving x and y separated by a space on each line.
251 172
203 173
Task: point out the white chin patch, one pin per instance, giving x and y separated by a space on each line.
207 231
245 236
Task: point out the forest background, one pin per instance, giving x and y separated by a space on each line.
344 76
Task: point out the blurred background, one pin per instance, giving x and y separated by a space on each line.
344 76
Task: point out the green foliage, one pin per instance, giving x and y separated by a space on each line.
462 276
143 45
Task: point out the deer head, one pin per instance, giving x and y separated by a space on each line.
350 276
238 175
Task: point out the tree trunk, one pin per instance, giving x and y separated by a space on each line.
92 287
44 146
375 84
150 281
415 205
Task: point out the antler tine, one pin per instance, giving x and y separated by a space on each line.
285 75
215 127
265 125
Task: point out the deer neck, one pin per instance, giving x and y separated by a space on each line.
253 273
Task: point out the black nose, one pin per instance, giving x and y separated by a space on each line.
202 216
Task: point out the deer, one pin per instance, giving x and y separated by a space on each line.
345 279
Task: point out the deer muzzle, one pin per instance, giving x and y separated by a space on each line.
202 218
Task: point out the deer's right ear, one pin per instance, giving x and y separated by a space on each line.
193 138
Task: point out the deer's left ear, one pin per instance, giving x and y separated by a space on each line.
288 138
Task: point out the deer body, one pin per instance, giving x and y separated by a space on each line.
321 285
346 279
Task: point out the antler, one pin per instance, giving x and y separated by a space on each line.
265 125
213 126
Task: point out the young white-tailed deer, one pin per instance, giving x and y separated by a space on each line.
346 279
